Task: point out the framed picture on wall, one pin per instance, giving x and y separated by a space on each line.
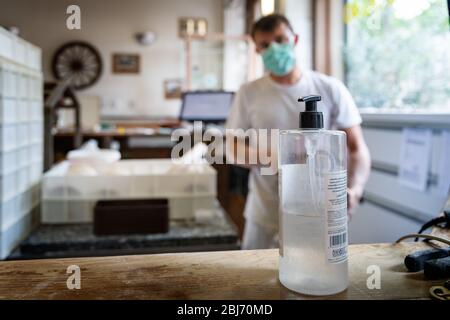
173 88
188 27
125 63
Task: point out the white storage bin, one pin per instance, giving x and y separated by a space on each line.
188 207
192 188
69 211
152 176
8 110
8 185
8 134
8 161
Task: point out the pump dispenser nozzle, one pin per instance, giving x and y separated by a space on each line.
311 118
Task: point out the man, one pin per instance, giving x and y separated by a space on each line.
271 103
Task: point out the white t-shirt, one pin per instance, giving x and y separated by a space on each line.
265 104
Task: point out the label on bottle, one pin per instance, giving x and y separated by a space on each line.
336 228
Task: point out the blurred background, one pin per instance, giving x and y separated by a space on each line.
109 79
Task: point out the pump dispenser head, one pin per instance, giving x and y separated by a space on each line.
311 118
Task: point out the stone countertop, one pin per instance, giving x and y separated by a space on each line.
213 232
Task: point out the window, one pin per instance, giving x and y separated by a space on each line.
397 53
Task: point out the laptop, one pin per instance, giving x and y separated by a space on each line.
206 106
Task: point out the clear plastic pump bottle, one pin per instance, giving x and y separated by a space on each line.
313 206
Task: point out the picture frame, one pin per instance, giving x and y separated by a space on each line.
173 88
123 63
192 27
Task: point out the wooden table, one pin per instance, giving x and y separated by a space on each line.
212 275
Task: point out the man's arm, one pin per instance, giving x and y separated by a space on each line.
235 144
241 153
359 165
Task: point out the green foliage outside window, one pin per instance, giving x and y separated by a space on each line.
397 53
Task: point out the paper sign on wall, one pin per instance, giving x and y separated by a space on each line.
415 158
444 165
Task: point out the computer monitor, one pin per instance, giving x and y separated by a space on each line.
207 106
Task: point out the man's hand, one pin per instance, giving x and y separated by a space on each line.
353 198
359 167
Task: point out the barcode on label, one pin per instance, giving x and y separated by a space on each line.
338 239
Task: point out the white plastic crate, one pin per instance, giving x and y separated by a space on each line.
133 179
81 211
70 199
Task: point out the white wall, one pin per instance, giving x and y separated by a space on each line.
110 26
234 25
337 38
391 209
299 13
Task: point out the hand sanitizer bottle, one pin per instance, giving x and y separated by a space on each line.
313 205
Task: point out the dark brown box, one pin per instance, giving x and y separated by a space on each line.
131 217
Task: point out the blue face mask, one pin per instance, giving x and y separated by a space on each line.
279 59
